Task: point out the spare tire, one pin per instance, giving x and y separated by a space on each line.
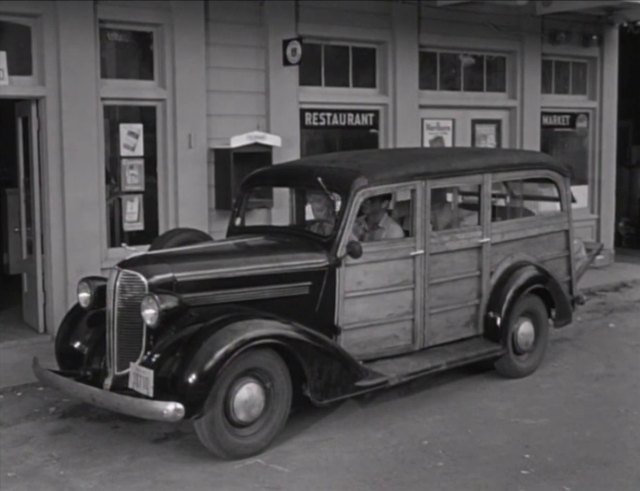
178 237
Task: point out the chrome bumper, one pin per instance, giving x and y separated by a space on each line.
132 406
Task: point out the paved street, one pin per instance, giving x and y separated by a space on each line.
573 425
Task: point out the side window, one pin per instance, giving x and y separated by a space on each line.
455 207
524 198
384 216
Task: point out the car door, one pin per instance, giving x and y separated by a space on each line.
378 294
457 244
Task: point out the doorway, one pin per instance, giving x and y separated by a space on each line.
465 127
21 281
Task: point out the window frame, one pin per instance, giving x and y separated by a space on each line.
591 89
35 24
379 79
508 79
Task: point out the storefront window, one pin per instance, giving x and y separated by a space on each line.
126 54
131 174
15 40
335 130
460 71
565 136
338 65
565 77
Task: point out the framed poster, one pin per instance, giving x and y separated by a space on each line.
486 133
132 212
438 132
4 69
131 140
132 175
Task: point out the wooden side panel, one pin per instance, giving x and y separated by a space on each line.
454 291
537 246
452 325
387 338
381 306
451 263
361 276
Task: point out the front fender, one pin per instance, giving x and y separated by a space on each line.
328 370
516 281
80 339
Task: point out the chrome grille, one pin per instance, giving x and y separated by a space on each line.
125 329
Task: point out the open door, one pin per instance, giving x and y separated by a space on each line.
29 227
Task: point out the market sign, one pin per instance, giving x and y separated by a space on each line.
564 121
338 119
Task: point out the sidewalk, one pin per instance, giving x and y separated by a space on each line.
16 356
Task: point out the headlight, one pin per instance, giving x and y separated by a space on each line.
150 310
85 294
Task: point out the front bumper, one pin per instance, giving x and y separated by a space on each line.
133 406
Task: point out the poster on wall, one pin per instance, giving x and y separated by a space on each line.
486 133
566 137
132 174
132 213
4 69
131 140
438 132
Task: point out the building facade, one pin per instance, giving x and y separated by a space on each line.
116 111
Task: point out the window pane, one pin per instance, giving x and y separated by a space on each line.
131 174
579 78
15 39
473 70
562 77
126 54
540 196
455 207
364 67
449 71
310 71
336 66
496 73
428 70
547 77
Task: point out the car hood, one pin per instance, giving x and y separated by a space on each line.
236 256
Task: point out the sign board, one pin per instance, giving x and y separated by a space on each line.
291 51
132 212
438 132
132 175
131 140
4 69
338 119
564 121
255 137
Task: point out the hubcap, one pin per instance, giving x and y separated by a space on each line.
524 335
247 401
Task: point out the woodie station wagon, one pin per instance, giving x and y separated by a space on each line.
340 274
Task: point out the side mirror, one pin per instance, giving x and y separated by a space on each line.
354 249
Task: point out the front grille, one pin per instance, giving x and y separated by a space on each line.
125 329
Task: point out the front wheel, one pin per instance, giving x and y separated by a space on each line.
527 338
247 406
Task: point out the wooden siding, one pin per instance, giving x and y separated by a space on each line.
236 81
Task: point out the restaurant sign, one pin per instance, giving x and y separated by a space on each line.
338 119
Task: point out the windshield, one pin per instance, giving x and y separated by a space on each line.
313 210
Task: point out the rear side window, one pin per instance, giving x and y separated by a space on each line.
524 198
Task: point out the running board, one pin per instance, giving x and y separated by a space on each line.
391 371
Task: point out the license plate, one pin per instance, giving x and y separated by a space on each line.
141 379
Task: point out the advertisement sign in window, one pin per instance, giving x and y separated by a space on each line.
438 132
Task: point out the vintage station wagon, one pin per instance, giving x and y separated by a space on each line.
340 274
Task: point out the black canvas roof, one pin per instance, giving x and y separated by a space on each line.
389 165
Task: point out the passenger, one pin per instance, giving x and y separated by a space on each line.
375 223
323 210
442 216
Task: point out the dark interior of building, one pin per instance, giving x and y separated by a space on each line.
628 171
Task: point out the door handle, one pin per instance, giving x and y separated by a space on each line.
484 240
16 230
416 253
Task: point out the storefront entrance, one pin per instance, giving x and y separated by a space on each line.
21 280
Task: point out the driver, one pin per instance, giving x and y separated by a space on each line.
375 222
323 210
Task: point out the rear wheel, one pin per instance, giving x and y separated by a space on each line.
247 406
527 338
